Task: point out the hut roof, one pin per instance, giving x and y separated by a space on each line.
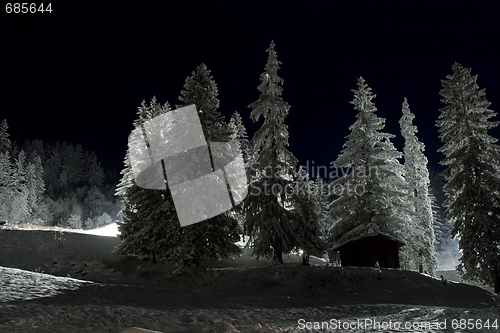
400 243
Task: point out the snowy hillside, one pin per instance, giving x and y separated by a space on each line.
242 292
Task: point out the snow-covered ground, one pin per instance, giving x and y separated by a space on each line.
110 230
96 291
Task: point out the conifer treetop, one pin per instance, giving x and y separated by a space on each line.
239 131
363 97
365 131
270 104
200 89
415 160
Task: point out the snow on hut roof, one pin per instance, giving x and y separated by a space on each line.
334 247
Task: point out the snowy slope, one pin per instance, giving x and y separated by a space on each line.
241 292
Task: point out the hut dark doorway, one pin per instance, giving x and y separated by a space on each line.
365 251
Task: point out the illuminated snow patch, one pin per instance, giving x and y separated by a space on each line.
18 284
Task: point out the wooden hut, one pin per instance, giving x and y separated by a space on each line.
366 250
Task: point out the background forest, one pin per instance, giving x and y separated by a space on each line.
54 185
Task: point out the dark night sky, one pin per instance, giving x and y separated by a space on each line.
79 74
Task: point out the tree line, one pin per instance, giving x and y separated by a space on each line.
54 184
385 190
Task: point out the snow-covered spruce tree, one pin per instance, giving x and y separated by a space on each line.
442 227
5 144
7 184
239 138
7 180
20 208
213 238
95 174
270 221
307 209
239 134
320 190
35 184
78 166
419 203
200 89
372 196
151 228
149 219
472 175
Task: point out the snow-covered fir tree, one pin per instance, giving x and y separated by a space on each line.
240 140
270 221
95 174
5 144
6 171
149 217
472 175
307 209
213 238
34 183
320 189
442 229
151 228
239 134
20 208
419 203
7 184
371 197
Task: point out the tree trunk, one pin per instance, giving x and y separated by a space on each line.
278 256
154 257
497 283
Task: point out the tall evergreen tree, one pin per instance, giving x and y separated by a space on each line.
151 228
239 139
34 183
371 197
20 208
76 164
5 144
442 227
269 220
95 175
239 134
472 175
307 208
320 190
149 216
7 180
213 238
442 231
417 177
7 184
